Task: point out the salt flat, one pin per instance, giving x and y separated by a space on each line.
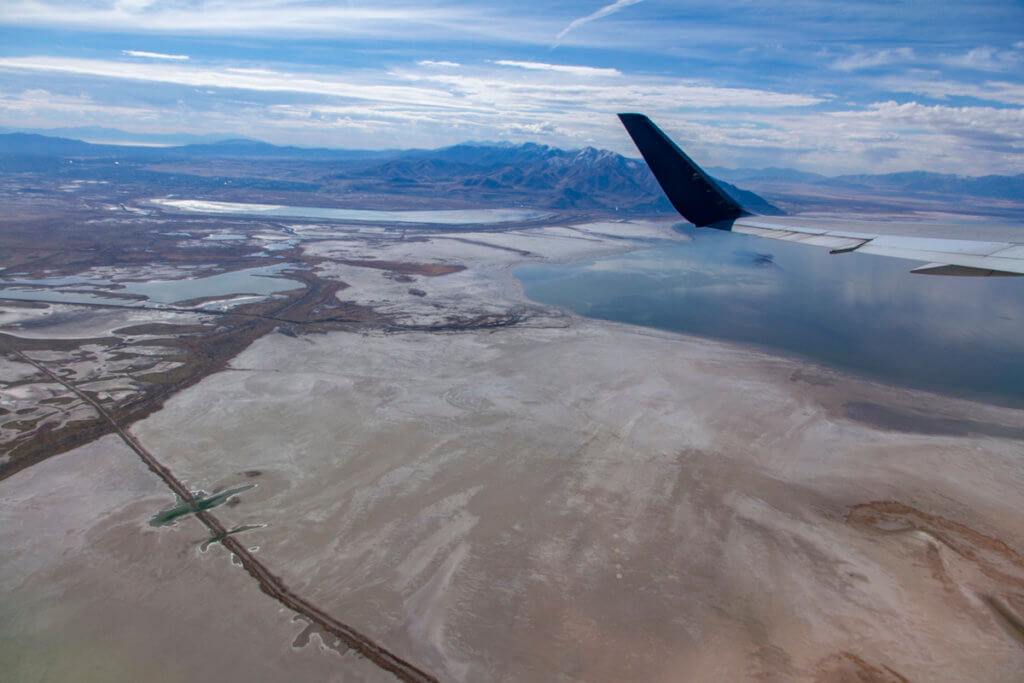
562 499
92 593
603 503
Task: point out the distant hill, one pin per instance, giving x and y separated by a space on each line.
103 134
545 177
527 174
912 183
739 175
994 186
31 144
244 148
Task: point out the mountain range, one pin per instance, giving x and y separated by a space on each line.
527 174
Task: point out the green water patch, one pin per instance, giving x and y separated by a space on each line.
237 530
200 503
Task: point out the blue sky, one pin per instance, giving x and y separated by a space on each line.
859 86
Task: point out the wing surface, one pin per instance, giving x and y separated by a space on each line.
700 200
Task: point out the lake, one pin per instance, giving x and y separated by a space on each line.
446 217
866 314
264 280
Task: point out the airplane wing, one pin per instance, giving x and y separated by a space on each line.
700 200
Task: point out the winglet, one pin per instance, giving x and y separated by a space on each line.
692 191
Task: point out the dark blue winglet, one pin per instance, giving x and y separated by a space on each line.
692 191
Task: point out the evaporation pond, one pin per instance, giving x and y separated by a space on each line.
261 281
446 217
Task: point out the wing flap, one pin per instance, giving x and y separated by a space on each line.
1016 251
815 239
970 257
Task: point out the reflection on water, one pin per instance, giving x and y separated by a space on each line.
260 281
449 217
868 314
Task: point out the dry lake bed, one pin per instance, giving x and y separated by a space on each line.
491 489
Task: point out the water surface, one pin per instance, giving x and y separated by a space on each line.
868 314
262 281
448 217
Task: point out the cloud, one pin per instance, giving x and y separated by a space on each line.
603 12
422 105
258 80
987 58
250 71
36 100
40 108
931 84
266 17
869 59
563 68
955 132
134 5
940 115
554 85
431 62
428 103
882 137
898 136
154 55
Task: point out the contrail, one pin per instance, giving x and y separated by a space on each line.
603 12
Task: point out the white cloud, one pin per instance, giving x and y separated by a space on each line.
133 5
40 108
869 59
242 70
422 106
154 55
931 84
1007 121
988 58
265 17
554 85
564 68
244 79
431 62
892 136
603 12
882 137
426 105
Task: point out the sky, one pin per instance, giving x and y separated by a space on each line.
862 86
